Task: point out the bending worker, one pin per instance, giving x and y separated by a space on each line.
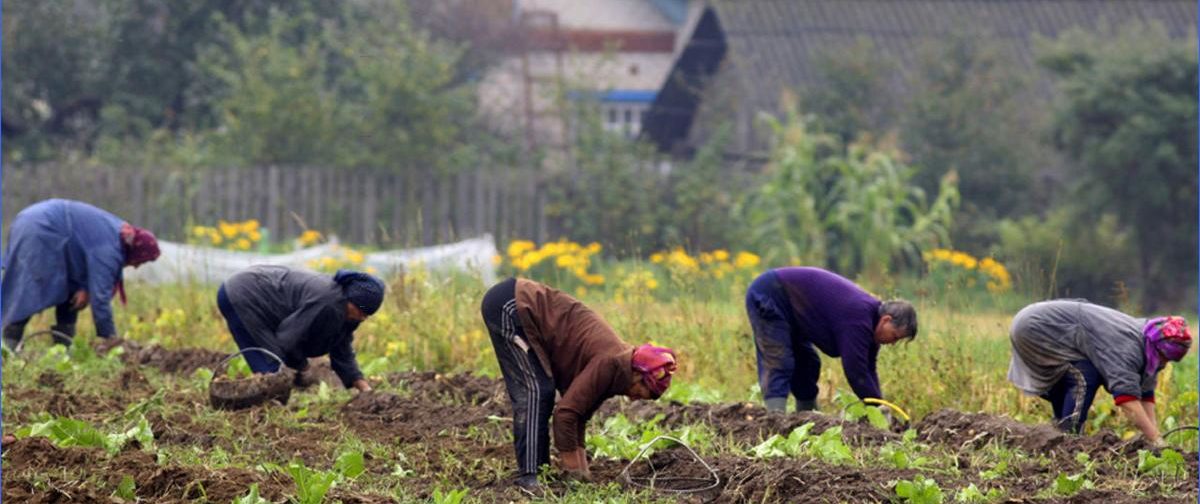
1065 350
546 340
792 310
298 314
68 255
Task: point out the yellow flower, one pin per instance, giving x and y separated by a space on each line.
593 248
746 260
243 244
354 256
651 283
249 226
581 291
518 247
656 258
227 229
216 238
720 255
594 279
254 235
497 260
200 231
309 237
565 261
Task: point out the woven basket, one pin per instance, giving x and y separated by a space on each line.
234 394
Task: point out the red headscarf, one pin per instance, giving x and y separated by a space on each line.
656 366
140 246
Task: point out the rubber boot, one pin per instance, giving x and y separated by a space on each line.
809 405
12 336
68 334
777 404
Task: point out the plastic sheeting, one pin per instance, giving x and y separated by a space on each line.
191 263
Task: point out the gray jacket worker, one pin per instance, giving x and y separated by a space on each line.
298 314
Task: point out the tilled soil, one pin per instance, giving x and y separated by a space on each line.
459 425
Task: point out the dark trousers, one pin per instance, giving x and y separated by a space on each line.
259 362
64 315
529 388
1072 396
786 362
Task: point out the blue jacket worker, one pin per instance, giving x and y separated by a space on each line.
297 314
68 255
793 310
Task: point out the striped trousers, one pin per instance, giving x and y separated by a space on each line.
529 388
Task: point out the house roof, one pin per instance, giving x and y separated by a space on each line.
773 44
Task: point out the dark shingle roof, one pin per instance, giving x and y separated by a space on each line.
773 44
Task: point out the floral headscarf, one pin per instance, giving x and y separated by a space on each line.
1166 337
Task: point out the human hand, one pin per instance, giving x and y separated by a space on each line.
80 300
575 464
361 385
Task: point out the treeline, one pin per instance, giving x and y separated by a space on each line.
1086 187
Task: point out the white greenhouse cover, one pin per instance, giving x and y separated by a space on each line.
191 263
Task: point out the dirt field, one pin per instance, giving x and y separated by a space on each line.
452 432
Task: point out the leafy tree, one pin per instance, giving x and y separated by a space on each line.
1128 116
366 91
78 69
965 116
611 191
853 93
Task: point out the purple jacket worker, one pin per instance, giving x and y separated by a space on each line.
792 310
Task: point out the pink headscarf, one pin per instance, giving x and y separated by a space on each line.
1167 337
656 365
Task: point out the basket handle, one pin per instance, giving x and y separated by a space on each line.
230 357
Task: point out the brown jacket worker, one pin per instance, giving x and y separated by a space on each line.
547 340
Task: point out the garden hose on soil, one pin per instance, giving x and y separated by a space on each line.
1180 429
667 483
59 337
893 407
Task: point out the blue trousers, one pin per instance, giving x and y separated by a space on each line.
259 362
786 361
1072 396
529 388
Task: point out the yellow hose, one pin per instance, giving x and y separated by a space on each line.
897 409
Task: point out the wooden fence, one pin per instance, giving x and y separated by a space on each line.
360 207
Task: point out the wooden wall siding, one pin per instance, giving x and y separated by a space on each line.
361 207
